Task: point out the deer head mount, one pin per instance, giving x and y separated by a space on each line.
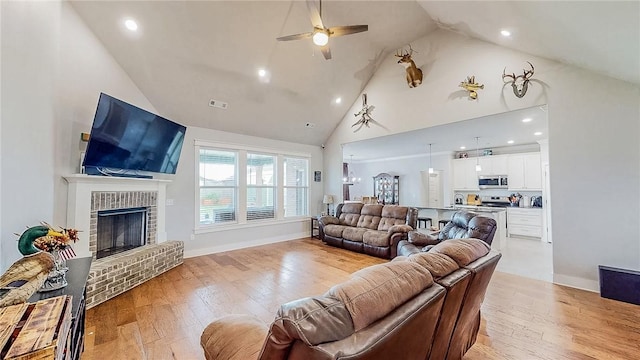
364 114
471 86
519 83
414 75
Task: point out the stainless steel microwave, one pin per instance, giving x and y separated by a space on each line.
493 182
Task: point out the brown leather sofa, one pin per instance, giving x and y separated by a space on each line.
372 229
464 224
424 306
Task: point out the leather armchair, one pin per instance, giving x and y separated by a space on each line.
464 224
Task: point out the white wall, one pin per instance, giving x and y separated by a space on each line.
53 70
182 214
594 129
30 32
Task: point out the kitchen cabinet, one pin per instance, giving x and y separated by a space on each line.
524 222
493 165
524 171
465 176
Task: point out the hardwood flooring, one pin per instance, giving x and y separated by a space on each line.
522 318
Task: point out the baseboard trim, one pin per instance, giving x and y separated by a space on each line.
242 245
577 282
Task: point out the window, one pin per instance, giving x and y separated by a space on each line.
296 186
218 186
261 189
243 185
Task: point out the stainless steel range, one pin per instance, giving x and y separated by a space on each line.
495 201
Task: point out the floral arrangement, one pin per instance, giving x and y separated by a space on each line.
51 243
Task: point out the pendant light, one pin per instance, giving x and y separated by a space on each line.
478 167
430 163
351 178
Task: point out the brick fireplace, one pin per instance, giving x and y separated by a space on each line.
90 198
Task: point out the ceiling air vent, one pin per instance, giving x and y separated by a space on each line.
218 104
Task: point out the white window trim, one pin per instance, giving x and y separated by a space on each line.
241 210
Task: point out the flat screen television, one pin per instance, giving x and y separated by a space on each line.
125 140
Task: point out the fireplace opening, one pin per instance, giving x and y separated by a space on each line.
120 230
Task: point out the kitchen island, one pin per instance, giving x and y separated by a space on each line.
499 214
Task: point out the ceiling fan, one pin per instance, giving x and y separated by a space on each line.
320 33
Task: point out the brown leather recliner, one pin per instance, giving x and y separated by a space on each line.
386 311
368 228
464 224
459 267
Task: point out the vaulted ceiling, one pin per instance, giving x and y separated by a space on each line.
186 53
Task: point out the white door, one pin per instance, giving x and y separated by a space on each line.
435 190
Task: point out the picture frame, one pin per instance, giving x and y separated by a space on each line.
317 176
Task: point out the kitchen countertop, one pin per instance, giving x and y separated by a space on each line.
478 208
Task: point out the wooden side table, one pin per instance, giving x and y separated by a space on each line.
77 278
315 228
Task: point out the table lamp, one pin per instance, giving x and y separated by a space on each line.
327 199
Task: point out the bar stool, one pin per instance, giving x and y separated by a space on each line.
424 220
442 223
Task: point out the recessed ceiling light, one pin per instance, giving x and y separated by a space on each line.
526 120
537 133
338 100
510 142
505 33
131 24
262 72
462 147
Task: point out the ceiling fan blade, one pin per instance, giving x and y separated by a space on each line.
326 52
295 37
316 20
346 30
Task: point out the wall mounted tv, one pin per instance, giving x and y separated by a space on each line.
126 140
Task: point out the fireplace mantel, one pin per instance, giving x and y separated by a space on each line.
79 198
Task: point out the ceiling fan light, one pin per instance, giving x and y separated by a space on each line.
321 38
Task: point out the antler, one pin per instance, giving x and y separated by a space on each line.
528 74
512 76
410 50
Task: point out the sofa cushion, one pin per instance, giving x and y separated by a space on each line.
373 292
376 238
335 230
370 216
393 215
350 213
439 265
462 251
353 234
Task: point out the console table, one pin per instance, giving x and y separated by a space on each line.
77 279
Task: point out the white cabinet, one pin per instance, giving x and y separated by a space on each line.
524 222
499 165
524 171
465 176
493 165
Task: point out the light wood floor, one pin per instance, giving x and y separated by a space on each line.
522 318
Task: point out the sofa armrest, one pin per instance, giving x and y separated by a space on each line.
420 239
400 228
326 220
233 337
